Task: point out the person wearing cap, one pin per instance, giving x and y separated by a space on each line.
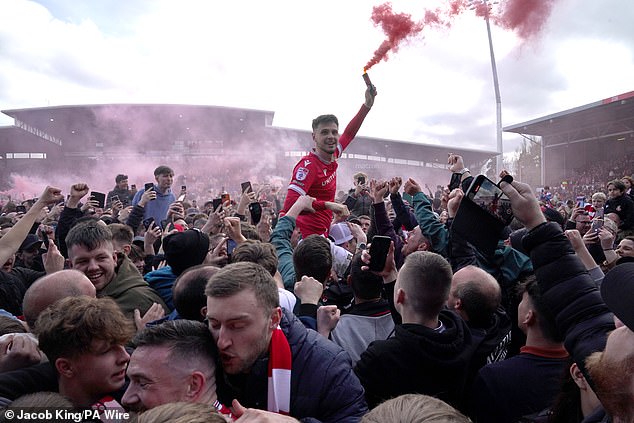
342 236
29 254
121 190
182 251
582 314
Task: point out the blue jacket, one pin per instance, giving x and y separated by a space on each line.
161 281
156 208
323 385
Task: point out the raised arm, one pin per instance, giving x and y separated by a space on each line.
353 127
11 241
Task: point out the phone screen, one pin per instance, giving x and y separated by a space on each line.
148 222
490 197
246 187
361 180
149 186
100 197
217 202
379 248
231 244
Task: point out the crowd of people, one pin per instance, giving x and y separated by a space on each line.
147 306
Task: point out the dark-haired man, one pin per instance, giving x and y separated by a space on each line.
172 362
369 319
315 174
162 198
91 252
270 361
496 395
120 190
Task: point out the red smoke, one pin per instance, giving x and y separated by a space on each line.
397 27
525 17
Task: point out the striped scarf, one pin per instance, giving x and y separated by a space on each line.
280 361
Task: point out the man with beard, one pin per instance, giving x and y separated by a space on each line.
270 361
579 310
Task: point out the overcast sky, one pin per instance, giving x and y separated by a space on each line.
304 58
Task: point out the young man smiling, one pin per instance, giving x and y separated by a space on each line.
315 174
91 252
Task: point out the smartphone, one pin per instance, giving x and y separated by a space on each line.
100 197
255 209
181 197
114 198
225 197
149 186
361 180
456 179
217 202
490 197
183 187
581 201
231 245
246 187
147 223
379 248
20 209
596 225
44 240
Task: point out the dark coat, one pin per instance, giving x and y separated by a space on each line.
418 360
323 385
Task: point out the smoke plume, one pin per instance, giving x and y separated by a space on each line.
525 17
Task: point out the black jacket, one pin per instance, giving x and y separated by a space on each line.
418 360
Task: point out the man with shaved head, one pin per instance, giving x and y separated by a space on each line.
51 288
430 352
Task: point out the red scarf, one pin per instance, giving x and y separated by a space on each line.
280 361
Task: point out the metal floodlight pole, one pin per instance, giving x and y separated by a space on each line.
499 160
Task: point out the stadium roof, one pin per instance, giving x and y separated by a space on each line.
611 118
64 124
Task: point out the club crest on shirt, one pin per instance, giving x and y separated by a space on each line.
301 174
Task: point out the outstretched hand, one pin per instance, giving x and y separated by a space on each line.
523 203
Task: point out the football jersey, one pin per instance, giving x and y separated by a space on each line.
312 176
